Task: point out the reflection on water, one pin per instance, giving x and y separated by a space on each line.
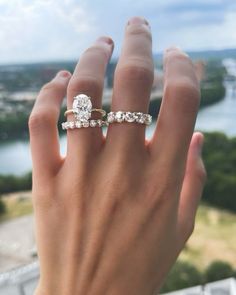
15 155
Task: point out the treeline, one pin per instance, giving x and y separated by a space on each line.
212 87
219 155
185 275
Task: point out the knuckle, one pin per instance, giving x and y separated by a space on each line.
40 120
89 84
137 70
53 86
98 50
184 92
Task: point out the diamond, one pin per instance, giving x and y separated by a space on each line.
71 125
78 124
111 117
148 119
99 123
140 118
93 123
129 117
85 124
119 117
82 107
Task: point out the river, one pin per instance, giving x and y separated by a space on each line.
15 155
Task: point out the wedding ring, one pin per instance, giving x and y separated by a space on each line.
130 117
85 124
82 108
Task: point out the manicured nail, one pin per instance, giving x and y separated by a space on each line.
137 20
63 74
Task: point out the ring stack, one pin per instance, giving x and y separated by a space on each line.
130 117
82 110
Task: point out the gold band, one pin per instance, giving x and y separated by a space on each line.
101 111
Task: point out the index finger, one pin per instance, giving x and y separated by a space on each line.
179 107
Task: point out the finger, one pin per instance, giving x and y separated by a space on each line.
44 141
179 107
88 78
191 193
133 80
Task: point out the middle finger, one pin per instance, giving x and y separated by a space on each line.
133 81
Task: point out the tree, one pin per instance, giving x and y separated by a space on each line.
182 275
218 270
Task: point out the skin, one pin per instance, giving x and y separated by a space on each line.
113 215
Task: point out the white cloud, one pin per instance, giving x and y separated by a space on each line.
60 29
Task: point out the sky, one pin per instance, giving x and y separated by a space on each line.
45 30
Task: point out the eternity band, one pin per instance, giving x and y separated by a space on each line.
130 117
78 124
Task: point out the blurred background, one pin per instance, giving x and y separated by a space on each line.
39 38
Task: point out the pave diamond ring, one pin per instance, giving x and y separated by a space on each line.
85 124
82 108
130 117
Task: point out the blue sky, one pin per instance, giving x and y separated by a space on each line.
41 30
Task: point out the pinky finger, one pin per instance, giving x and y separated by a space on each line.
194 179
43 125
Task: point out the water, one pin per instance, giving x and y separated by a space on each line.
15 155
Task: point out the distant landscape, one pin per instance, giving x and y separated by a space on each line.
213 240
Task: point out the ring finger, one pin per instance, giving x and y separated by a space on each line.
88 78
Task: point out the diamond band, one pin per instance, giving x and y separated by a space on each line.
130 117
83 124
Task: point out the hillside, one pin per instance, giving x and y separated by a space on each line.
213 238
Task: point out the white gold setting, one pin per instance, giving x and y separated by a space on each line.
130 117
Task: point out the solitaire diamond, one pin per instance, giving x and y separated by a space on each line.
82 107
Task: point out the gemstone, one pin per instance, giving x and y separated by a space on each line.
119 116
99 123
78 124
82 107
71 125
111 117
140 118
85 124
93 123
148 119
129 117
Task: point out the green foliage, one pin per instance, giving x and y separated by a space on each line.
219 155
218 270
10 183
182 275
2 207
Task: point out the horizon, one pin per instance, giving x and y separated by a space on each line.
113 58
45 30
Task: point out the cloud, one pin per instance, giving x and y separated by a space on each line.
61 29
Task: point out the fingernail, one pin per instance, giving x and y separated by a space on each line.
107 40
63 74
173 48
137 20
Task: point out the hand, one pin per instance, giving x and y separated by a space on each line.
113 215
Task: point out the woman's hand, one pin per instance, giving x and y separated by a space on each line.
113 215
